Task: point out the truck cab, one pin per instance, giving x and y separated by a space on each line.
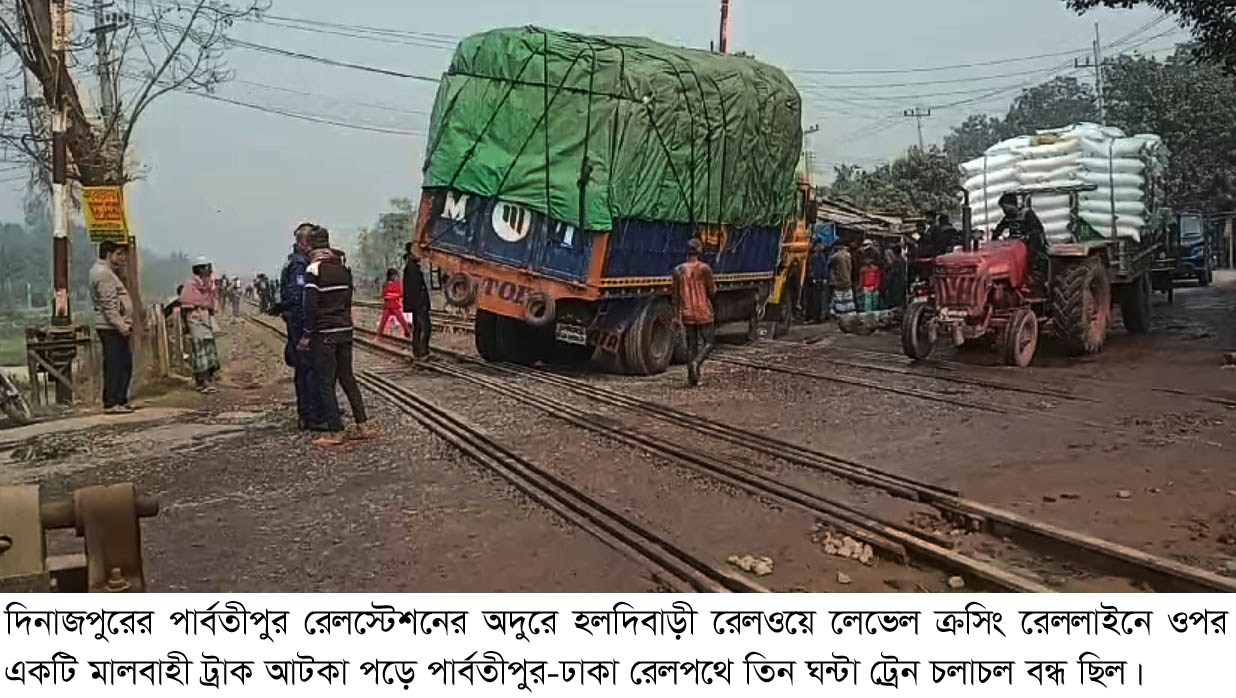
1193 259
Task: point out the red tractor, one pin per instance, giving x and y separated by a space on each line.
989 296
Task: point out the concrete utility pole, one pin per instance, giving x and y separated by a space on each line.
104 25
918 114
1098 64
724 43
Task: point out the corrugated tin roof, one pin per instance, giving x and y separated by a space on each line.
847 215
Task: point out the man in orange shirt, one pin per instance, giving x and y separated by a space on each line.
694 291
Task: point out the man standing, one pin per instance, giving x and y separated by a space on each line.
292 304
416 302
820 298
841 273
328 336
113 312
199 301
693 292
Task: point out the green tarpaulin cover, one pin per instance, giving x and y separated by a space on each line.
592 129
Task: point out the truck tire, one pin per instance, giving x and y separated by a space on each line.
486 332
520 343
1020 338
1081 305
648 344
785 309
1205 278
1135 306
918 331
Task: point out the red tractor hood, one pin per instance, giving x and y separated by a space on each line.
963 280
1008 259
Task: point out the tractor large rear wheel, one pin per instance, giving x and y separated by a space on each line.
1135 306
1081 305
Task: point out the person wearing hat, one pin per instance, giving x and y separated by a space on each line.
693 292
292 309
328 337
199 301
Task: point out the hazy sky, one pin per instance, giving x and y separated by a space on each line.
231 182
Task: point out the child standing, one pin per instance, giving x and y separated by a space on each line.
869 282
392 304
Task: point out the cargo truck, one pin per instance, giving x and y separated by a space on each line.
564 175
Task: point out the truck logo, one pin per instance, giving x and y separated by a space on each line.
455 207
511 223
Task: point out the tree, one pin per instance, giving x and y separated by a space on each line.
1213 23
1188 103
381 247
922 180
974 136
1055 103
167 47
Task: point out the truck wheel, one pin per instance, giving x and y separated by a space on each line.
649 343
1135 306
785 320
1021 338
487 336
520 343
1205 278
918 331
1081 305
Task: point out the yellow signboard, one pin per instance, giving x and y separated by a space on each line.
105 214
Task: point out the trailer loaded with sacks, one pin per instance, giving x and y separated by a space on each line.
1097 194
565 174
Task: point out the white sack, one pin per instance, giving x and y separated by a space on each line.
1117 179
1124 165
990 163
990 178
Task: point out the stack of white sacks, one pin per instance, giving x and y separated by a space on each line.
1081 154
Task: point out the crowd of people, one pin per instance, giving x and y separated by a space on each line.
854 276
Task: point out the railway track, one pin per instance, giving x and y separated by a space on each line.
673 567
897 363
895 540
918 393
441 320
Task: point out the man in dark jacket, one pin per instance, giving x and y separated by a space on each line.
292 307
328 336
416 302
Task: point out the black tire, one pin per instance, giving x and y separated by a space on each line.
520 343
1135 306
460 290
753 322
1081 305
1020 338
487 337
540 310
1205 278
785 320
18 410
918 331
649 342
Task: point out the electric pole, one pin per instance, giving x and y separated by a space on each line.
724 43
61 312
1098 64
918 114
106 23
